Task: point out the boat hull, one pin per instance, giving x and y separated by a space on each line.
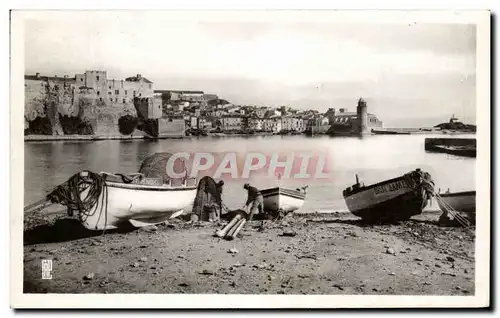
136 204
461 202
284 199
392 200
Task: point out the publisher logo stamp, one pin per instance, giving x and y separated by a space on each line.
47 269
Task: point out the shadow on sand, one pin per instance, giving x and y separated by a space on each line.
64 230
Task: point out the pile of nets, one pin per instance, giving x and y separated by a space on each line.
155 166
208 198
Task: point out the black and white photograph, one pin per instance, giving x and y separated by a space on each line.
196 159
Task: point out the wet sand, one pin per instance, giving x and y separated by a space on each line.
329 254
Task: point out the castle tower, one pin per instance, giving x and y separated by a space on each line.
362 114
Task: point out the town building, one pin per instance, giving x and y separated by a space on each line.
208 97
115 91
287 123
360 122
272 124
149 108
330 114
255 123
232 122
261 112
352 118
193 122
272 113
181 95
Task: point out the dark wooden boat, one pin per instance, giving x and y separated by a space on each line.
454 146
464 151
396 199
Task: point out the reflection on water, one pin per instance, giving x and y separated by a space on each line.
374 159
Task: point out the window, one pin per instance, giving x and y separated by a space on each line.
100 98
134 93
109 93
110 87
125 92
124 100
81 79
117 91
97 77
98 93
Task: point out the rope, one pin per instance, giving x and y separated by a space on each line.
456 214
427 187
69 194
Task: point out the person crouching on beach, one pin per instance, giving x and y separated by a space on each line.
256 199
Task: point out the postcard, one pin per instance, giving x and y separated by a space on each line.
250 159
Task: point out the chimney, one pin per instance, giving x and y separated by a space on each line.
139 76
37 75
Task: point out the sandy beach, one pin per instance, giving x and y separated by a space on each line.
319 254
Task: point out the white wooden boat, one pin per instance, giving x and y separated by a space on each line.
460 201
285 199
139 203
391 200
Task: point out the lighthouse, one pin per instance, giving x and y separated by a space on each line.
362 114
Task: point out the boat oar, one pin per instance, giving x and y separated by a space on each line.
223 232
236 229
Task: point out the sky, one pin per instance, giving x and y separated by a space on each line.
411 74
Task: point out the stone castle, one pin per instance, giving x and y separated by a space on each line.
87 103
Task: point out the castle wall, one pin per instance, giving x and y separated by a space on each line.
52 98
171 127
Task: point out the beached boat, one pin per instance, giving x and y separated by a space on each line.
141 202
396 199
104 200
459 201
284 199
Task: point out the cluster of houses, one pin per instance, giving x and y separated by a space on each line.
208 112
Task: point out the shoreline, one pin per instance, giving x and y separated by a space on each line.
36 138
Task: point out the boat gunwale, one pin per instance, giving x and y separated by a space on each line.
368 187
266 193
145 187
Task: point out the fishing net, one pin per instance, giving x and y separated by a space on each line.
208 198
155 166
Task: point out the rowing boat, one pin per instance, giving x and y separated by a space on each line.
395 199
284 199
